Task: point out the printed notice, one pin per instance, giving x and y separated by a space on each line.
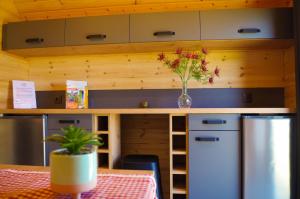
24 94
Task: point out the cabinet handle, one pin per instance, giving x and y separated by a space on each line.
69 121
96 37
34 40
164 33
207 139
213 121
248 30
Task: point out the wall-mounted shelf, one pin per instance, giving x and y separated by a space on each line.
244 44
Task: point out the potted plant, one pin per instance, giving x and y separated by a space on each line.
188 66
73 168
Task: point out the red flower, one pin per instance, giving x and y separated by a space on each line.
217 72
175 63
188 55
178 51
204 62
195 56
204 68
161 56
211 80
204 51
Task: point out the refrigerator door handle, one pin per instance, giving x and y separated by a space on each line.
207 139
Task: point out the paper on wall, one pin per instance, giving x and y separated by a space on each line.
24 94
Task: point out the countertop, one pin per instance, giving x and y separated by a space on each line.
150 111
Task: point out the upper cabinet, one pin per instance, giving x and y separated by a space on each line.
246 24
164 27
97 30
193 29
34 34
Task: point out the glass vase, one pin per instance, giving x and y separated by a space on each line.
184 100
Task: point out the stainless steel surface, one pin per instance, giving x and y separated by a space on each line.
266 157
21 140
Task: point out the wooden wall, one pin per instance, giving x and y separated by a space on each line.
253 68
11 68
47 9
289 78
148 134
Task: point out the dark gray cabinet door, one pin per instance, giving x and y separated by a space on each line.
96 30
246 23
164 26
214 165
34 34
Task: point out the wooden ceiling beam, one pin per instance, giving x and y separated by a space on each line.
146 7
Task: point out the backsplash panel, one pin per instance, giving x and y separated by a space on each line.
167 98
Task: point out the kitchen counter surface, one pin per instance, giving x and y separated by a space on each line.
149 111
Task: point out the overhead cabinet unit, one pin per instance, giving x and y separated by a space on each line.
164 27
97 30
247 23
34 34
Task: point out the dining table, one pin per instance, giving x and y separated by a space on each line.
22 182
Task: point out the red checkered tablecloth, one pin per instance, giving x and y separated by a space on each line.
35 185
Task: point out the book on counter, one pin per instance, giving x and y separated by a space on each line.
23 94
76 94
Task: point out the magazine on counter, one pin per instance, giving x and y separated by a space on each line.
76 94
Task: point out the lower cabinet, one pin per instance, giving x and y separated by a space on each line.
214 161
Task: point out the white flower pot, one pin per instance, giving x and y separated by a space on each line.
73 173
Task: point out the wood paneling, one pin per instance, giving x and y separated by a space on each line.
148 134
250 44
289 77
239 69
11 68
8 11
46 9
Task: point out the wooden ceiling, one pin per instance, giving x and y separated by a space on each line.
49 9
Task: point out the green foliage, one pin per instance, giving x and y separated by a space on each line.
75 140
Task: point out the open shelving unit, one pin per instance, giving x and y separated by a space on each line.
107 126
178 156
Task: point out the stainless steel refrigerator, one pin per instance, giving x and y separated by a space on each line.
267 157
21 140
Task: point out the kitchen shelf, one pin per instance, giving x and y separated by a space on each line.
178 158
179 190
178 133
179 170
103 151
102 132
179 152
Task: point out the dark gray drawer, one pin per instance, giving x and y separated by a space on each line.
56 121
245 23
164 26
210 122
34 34
96 30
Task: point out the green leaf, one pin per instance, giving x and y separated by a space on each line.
76 140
